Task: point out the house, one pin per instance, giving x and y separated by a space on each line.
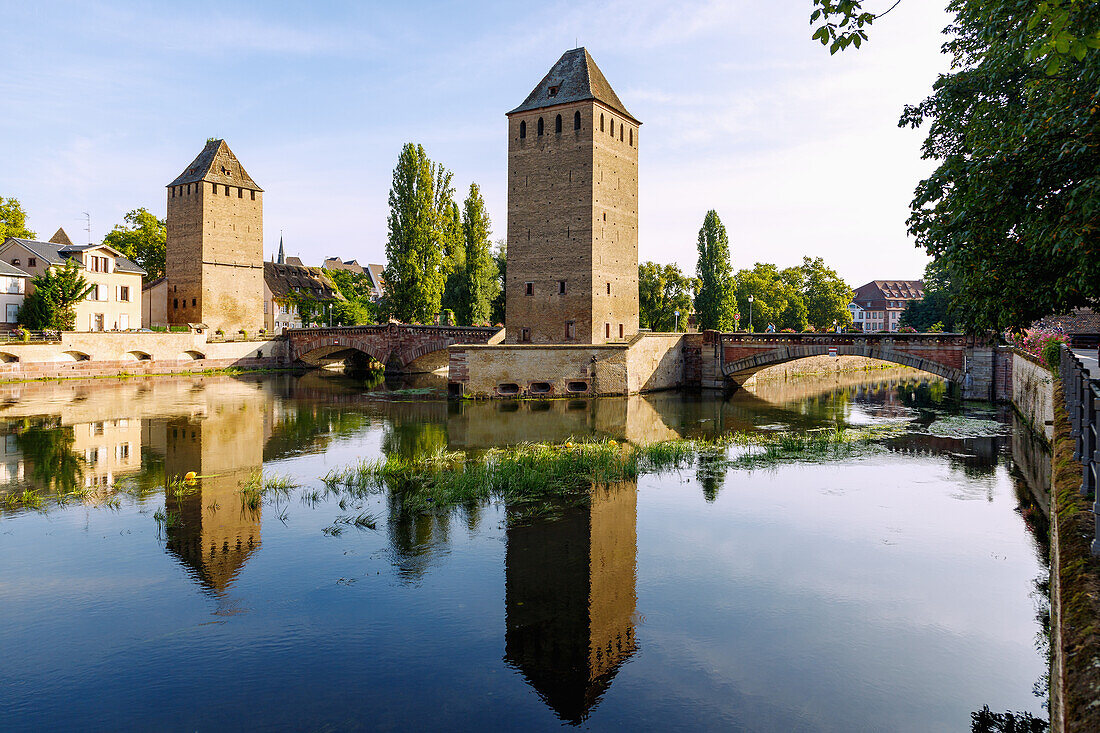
115 301
373 273
878 305
285 285
13 286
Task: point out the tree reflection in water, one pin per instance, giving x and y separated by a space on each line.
47 448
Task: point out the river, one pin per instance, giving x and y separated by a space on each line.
899 588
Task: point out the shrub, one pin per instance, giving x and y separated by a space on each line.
907 329
936 327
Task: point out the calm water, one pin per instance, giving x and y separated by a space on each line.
897 590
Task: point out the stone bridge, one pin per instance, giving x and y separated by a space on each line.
967 361
400 347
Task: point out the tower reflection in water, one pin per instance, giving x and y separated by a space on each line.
570 599
216 533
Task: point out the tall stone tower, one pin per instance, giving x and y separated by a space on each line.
572 274
214 260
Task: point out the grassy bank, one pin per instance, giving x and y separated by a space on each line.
225 371
1075 591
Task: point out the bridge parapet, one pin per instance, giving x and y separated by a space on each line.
396 345
953 356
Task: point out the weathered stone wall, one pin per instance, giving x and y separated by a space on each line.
649 362
1033 392
572 217
397 346
214 256
655 361
103 354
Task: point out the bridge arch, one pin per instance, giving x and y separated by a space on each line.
333 353
401 347
740 370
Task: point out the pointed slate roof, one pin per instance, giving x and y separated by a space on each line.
217 164
574 78
60 237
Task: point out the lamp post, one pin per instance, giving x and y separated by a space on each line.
677 326
750 314
835 330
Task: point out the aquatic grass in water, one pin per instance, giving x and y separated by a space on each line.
532 477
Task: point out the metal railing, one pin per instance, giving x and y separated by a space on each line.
17 337
1082 395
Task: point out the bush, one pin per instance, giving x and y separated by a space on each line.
936 327
907 329
1042 343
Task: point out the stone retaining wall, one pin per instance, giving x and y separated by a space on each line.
79 354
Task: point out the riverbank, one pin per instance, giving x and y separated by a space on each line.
818 366
1074 591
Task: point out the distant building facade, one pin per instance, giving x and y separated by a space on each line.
114 303
572 271
372 271
285 284
214 271
13 288
878 305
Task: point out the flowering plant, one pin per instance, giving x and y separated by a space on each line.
1042 343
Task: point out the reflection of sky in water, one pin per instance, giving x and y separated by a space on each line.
887 592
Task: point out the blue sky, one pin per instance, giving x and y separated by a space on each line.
800 153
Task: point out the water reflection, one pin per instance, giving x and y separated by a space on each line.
570 599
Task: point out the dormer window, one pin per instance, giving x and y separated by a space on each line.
553 92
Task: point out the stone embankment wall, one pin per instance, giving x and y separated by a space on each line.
1033 393
80 354
648 362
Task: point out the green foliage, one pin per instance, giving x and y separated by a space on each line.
479 278
501 259
826 295
421 227
143 241
357 309
663 290
56 292
310 310
454 257
842 23
352 313
13 220
714 300
351 285
938 305
777 297
1013 210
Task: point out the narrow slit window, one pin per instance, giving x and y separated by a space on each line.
522 130
601 121
557 124
607 330
561 287
576 120
529 288
540 127
620 330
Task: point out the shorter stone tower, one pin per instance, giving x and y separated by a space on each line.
214 260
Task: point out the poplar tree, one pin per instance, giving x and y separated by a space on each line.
414 274
715 301
479 282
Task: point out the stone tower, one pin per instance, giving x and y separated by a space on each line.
214 258
572 274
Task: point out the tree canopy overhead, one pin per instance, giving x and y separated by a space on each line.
142 239
13 220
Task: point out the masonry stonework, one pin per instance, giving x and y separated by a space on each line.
214 252
572 273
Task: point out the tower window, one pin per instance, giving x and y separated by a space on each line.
522 130
609 288
553 91
525 335
253 195
227 190
620 330
175 302
214 187
576 120
632 137
528 288
240 193
570 330
612 127
601 121
620 133
194 302
540 127
607 330
561 287
557 124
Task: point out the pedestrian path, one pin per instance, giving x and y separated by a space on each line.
1089 361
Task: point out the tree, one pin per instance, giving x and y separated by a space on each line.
938 304
826 295
479 282
352 285
414 274
454 256
352 313
663 290
501 259
1013 210
13 220
777 297
56 292
714 300
143 241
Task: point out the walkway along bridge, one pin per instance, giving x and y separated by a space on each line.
400 347
734 357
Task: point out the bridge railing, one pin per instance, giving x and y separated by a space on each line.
1082 395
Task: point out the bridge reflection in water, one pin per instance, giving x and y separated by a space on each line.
570 599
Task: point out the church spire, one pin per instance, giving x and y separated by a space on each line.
282 259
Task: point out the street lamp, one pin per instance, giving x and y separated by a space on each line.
834 326
750 314
677 327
